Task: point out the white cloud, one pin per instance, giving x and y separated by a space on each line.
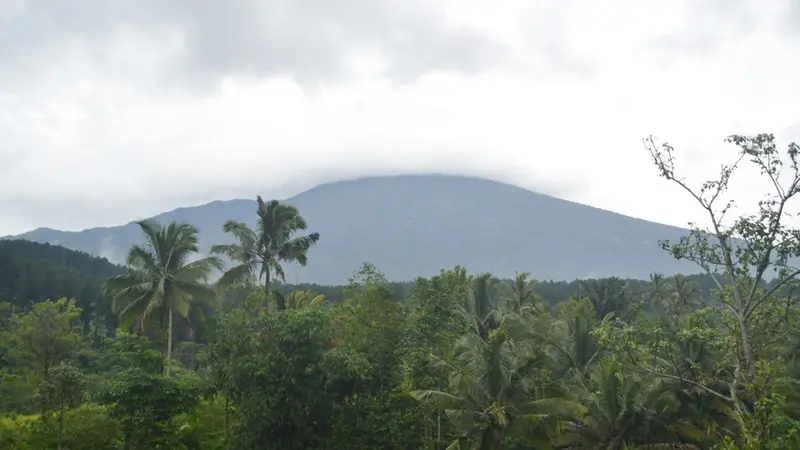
104 124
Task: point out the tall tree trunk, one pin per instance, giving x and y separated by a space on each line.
438 428
227 417
266 290
60 428
169 341
497 438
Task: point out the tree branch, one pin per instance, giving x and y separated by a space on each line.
681 379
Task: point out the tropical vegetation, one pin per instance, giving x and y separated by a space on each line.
180 350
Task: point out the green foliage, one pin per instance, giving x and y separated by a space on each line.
44 336
142 401
203 427
61 389
372 323
87 427
16 391
387 420
282 400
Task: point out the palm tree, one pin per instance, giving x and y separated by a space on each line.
686 295
262 250
609 296
492 387
657 291
161 280
300 299
624 411
525 293
571 335
482 313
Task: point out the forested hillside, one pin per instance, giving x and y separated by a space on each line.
31 271
457 360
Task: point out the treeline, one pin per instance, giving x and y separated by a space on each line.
451 361
550 291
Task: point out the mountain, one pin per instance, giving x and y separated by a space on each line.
414 225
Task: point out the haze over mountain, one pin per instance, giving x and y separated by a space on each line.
417 224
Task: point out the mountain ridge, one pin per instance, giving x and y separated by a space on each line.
413 225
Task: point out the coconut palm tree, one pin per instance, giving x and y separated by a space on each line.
686 295
482 313
161 280
493 387
624 411
608 296
571 336
657 291
525 297
261 251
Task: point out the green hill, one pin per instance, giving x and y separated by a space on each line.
31 272
415 225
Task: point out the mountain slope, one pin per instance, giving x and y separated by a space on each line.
417 224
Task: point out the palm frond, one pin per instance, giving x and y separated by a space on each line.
241 232
297 248
199 269
235 274
438 399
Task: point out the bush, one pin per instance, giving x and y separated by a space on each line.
204 427
85 428
15 432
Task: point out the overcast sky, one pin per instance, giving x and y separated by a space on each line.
117 110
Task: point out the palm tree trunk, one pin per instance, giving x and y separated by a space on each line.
169 341
497 439
266 290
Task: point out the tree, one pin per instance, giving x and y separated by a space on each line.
262 250
63 389
45 335
372 323
623 411
435 323
482 310
281 383
492 385
139 398
244 293
737 254
161 280
232 344
571 335
524 291
609 296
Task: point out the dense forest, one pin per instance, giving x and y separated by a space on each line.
166 354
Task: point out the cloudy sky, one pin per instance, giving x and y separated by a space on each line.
112 111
